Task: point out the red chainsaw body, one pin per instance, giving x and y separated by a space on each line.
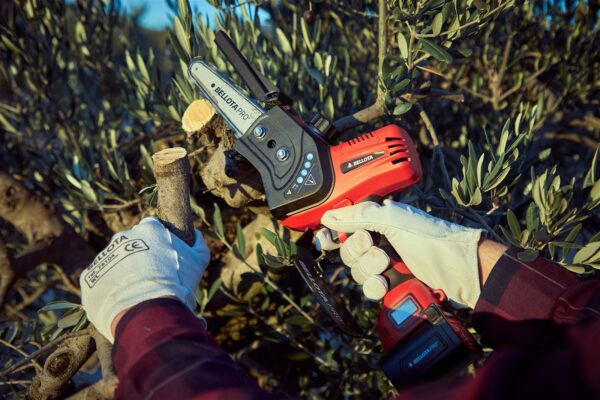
374 164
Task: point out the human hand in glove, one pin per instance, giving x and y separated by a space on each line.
441 254
143 263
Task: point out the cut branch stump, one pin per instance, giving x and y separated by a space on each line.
172 172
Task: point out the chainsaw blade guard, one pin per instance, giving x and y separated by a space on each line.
325 294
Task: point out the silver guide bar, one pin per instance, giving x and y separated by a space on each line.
236 108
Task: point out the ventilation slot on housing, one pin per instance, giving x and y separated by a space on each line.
394 139
393 152
399 160
399 145
361 138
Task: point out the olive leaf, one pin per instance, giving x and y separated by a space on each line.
438 52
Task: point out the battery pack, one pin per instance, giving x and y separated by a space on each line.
430 351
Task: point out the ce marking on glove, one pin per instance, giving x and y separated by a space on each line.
135 245
109 259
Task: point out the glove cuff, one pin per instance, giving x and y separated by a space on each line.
117 301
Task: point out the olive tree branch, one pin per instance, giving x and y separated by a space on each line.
498 8
436 143
376 109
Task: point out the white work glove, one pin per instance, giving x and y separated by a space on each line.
143 263
441 254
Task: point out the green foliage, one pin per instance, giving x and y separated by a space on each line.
73 318
500 98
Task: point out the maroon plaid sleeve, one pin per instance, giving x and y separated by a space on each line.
544 323
542 320
163 352
523 303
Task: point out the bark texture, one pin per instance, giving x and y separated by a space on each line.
101 390
70 355
172 172
224 172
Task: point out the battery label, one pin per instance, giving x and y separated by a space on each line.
350 165
430 349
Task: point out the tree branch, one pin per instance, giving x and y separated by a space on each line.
437 149
172 172
60 366
39 352
377 109
229 178
50 239
106 386
103 389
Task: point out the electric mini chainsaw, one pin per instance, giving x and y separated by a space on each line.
304 174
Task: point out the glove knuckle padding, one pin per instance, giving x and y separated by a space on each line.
374 261
355 246
143 263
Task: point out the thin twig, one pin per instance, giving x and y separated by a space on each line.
411 43
67 281
43 350
436 143
200 150
19 382
376 109
21 352
485 225
24 367
119 207
496 79
428 125
13 311
468 24
292 340
527 81
437 94
483 97
382 43
28 299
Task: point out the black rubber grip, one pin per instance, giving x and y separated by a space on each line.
259 85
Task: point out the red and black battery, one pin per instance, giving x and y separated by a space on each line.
419 338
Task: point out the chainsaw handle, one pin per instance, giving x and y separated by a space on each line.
398 272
